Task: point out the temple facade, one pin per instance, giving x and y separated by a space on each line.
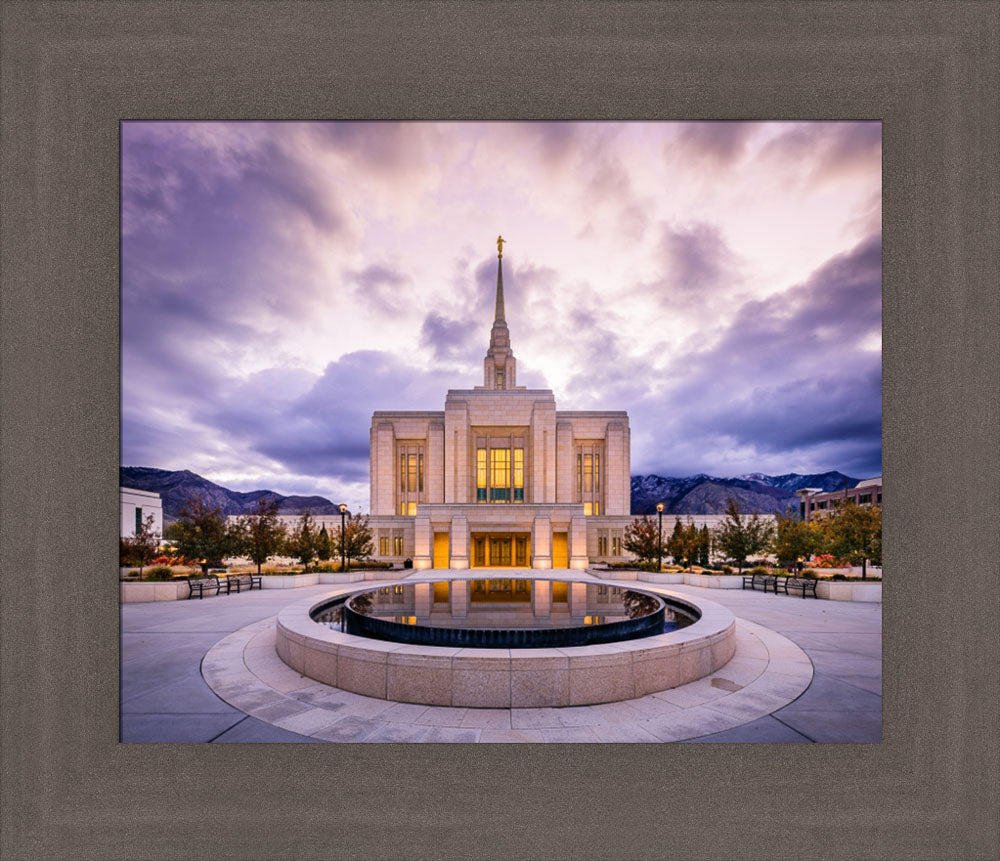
500 478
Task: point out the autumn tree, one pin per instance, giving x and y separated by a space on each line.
261 534
794 539
854 532
356 541
304 542
200 532
141 547
739 536
642 539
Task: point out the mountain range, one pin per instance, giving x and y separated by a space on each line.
695 494
706 494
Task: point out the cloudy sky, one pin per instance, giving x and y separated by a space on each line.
281 281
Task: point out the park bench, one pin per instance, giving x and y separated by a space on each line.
804 584
240 582
200 584
763 580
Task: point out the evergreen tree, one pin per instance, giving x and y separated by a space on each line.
676 543
704 546
325 544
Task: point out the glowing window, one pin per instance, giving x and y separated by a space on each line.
518 475
402 508
411 508
602 545
411 473
588 508
597 508
588 473
481 475
383 546
402 472
499 475
397 545
597 472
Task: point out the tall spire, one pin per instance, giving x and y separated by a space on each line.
498 317
499 366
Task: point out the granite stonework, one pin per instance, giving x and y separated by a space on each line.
505 678
499 463
140 592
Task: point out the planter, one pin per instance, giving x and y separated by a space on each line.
166 590
854 590
338 577
714 581
288 581
662 577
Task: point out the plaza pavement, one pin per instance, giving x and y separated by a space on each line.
165 698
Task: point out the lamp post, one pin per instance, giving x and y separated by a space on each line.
343 545
659 537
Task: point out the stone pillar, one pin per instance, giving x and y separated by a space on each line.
541 542
542 458
616 481
459 598
422 538
384 462
459 542
434 478
578 543
422 601
578 600
541 599
565 463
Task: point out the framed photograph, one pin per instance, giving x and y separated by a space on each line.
172 185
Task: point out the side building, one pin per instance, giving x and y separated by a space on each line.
814 502
500 477
136 506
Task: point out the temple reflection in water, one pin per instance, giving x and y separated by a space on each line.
506 603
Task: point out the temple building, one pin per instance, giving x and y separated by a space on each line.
500 478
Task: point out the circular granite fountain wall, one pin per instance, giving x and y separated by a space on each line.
640 662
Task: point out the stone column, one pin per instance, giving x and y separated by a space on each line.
383 470
459 598
565 463
422 538
578 543
459 542
541 599
422 601
578 600
541 542
434 477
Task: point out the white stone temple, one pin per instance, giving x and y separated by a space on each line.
500 478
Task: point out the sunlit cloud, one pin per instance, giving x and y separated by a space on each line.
280 281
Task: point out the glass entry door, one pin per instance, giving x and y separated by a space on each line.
500 553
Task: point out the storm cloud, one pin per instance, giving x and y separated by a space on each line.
281 281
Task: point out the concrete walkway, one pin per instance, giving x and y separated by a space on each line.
165 696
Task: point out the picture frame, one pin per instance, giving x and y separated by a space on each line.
72 72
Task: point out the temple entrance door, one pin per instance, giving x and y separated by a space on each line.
440 550
500 552
560 550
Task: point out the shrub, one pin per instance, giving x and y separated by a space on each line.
759 569
808 574
839 577
160 572
726 569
